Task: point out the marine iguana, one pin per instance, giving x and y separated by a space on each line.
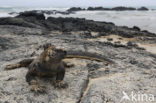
50 64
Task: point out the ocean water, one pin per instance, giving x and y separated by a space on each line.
146 20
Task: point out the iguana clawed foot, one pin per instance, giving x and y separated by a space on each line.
38 88
11 66
60 84
35 87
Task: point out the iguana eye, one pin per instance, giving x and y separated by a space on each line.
50 53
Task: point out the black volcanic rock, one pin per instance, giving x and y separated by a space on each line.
130 43
39 16
35 20
143 9
17 21
98 8
6 43
136 28
121 8
75 9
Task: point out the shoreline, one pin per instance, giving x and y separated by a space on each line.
46 25
120 18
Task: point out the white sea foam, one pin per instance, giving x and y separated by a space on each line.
4 14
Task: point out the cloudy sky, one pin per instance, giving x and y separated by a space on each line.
83 3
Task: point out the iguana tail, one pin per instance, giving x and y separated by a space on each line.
89 56
70 54
23 63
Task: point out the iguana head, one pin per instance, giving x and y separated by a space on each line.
53 54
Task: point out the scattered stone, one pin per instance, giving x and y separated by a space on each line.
133 62
120 8
117 42
136 28
39 16
75 9
110 39
143 9
133 44
120 38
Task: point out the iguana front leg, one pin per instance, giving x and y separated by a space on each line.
59 78
33 83
12 66
22 63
